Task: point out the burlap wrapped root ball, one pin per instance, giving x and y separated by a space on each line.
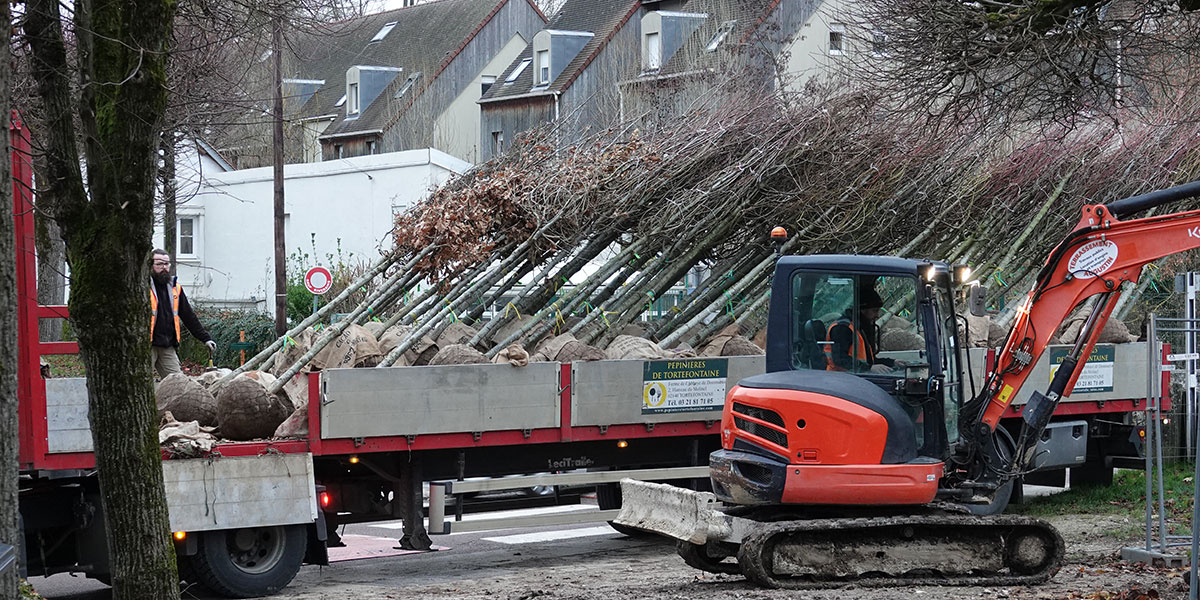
629 347
730 342
458 354
565 348
186 399
353 347
456 333
295 426
899 333
1115 331
375 327
245 411
419 354
514 355
211 380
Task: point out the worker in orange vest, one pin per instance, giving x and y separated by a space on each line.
855 339
168 307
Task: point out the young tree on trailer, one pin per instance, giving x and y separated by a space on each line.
120 63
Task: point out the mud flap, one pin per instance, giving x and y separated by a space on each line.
672 511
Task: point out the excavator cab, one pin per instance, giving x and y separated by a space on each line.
861 397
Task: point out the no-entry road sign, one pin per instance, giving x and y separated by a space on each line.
318 280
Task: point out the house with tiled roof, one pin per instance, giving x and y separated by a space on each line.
404 79
599 62
567 73
703 51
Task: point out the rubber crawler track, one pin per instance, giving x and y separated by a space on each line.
755 562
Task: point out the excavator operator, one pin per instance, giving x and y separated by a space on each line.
855 339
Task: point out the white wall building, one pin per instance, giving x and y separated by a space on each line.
346 207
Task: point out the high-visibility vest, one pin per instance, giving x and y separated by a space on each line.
175 291
860 351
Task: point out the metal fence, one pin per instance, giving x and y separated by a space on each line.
1171 436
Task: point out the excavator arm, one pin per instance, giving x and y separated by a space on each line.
1099 255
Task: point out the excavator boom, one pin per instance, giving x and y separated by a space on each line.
1099 256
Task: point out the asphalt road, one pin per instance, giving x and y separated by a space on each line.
371 557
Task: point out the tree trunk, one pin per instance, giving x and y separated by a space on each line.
9 531
122 66
166 176
52 280
51 254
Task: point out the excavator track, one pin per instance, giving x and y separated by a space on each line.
901 550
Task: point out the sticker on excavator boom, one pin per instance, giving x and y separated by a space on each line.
1005 394
1092 259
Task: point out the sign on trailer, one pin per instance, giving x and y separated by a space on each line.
1096 374
687 385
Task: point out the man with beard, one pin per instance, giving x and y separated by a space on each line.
168 306
854 339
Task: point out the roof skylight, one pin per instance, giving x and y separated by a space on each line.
517 71
386 29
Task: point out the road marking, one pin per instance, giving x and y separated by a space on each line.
500 514
550 536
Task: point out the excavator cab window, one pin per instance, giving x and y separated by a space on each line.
948 357
862 324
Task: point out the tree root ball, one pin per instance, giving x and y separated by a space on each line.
187 399
245 411
458 354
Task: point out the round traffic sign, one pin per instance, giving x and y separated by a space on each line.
318 280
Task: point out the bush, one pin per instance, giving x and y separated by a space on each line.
223 325
344 269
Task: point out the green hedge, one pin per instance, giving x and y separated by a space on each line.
223 325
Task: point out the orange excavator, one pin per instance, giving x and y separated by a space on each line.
852 461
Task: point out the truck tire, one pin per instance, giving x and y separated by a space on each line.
250 562
608 496
1096 472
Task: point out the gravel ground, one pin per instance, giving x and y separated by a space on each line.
1093 570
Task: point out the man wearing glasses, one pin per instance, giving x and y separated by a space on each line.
168 306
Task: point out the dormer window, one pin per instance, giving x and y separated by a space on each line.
653 51
386 29
517 71
553 50
364 83
352 95
543 66
663 34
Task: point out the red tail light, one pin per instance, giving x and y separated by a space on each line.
325 499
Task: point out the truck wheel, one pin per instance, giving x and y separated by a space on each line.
250 562
608 496
1095 472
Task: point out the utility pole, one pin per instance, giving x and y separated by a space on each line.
277 139
167 176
